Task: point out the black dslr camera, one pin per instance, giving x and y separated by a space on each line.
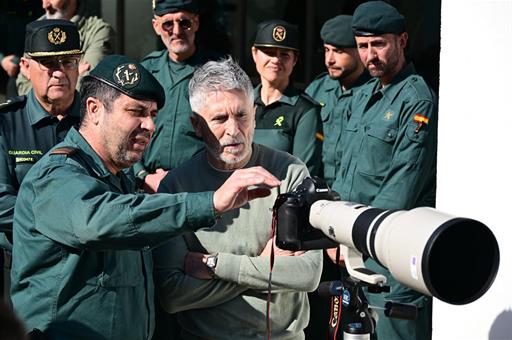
294 232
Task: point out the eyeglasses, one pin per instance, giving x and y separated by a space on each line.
185 24
52 63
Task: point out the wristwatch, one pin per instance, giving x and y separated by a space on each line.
211 264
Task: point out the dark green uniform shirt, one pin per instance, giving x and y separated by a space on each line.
334 101
174 140
389 162
291 124
27 132
81 265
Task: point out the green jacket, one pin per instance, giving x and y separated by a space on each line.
174 140
334 102
82 268
291 124
97 39
27 132
389 162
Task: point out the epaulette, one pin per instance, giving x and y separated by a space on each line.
65 150
154 55
321 75
12 103
420 86
309 99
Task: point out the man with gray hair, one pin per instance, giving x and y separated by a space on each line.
216 279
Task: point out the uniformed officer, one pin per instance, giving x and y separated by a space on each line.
334 89
286 118
97 37
30 125
176 22
389 145
82 268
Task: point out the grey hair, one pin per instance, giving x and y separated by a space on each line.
222 75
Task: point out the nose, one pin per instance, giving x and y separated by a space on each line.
232 127
328 58
148 124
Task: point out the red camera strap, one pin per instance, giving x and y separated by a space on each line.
336 305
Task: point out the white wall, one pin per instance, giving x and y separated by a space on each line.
475 150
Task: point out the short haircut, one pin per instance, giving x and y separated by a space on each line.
223 75
91 87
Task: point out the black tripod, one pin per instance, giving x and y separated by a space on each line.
354 315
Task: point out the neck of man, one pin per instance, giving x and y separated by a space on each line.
347 82
180 57
56 109
386 79
94 141
273 91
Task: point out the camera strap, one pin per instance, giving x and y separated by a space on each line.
335 307
269 288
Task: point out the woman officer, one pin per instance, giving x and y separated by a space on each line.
286 118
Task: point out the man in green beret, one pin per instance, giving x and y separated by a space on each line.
97 37
333 89
82 266
389 146
31 125
176 22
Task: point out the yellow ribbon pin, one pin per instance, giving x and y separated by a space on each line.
279 121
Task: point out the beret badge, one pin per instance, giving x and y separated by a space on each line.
127 75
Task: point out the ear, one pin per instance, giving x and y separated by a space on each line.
295 57
402 38
25 67
156 26
254 50
93 110
196 22
194 120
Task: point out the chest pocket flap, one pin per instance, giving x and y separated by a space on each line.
385 134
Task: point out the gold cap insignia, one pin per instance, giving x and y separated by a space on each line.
127 75
388 115
279 33
56 36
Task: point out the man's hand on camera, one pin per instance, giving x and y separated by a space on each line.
235 191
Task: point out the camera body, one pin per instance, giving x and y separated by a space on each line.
294 232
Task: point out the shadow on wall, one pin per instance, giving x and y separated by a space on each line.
501 328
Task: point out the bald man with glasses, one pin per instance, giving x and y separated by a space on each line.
30 125
176 22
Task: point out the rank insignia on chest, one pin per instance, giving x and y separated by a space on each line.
388 115
322 104
420 120
279 121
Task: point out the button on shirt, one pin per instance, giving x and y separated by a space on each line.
291 124
27 132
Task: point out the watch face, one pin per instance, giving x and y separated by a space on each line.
211 261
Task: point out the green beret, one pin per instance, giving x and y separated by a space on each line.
376 18
51 37
162 7
337 31
277 33
129 77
